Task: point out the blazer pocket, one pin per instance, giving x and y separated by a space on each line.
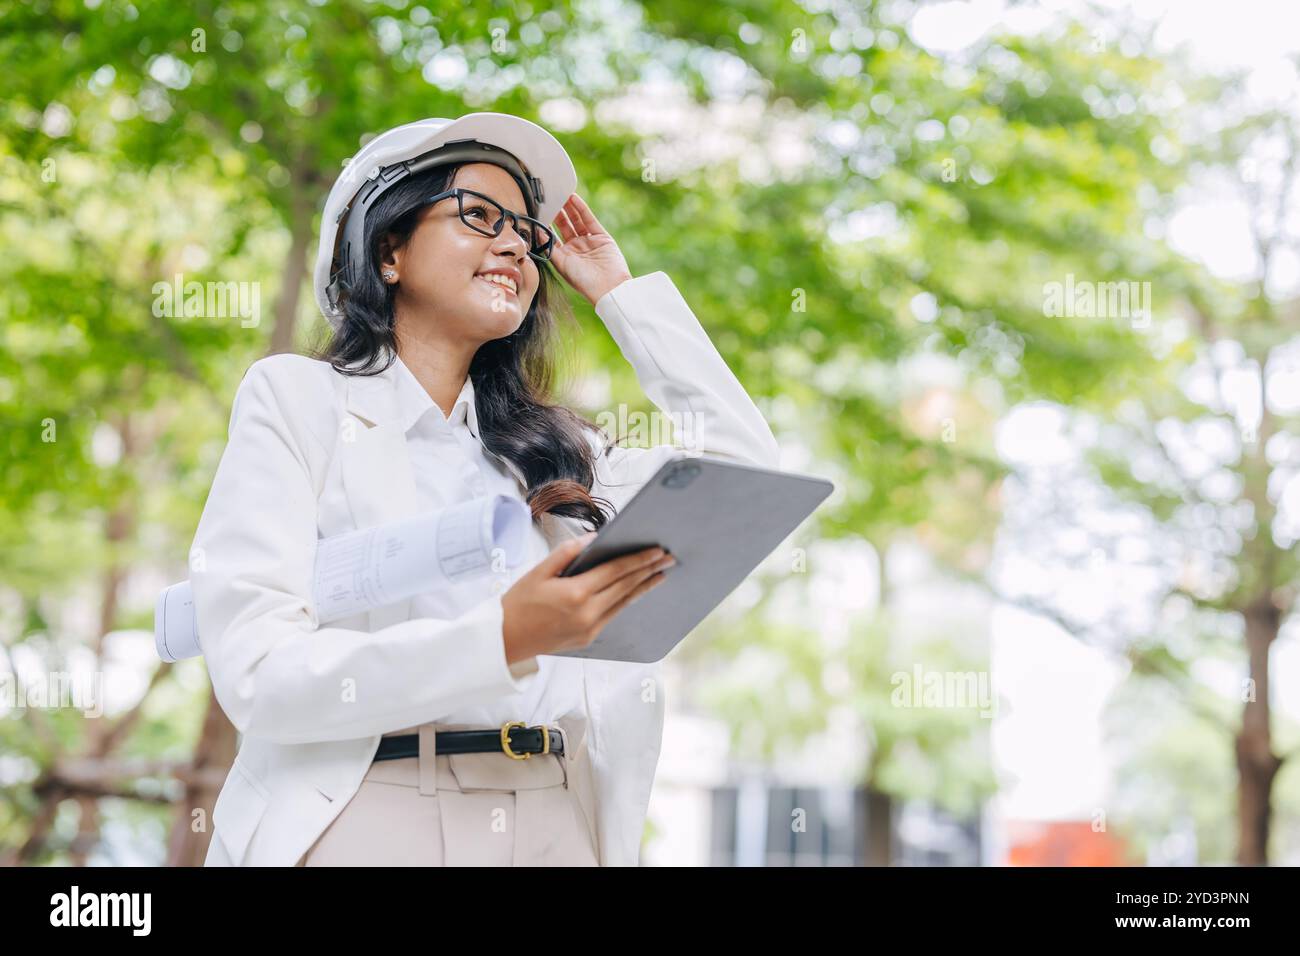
239 808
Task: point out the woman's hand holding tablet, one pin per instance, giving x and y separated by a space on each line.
719 518
548 613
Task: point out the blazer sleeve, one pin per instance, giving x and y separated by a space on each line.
680 370
275 673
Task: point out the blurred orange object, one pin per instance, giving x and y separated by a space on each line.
1063 843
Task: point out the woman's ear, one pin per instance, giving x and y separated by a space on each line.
390 260
389 256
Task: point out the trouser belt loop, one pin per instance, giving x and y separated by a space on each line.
428 761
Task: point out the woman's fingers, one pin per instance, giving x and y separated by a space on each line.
567 220
646 584
575 218
565 226
607 573
585 217
617 592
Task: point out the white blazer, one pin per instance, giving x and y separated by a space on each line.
310 448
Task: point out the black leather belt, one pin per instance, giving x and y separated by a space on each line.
512 739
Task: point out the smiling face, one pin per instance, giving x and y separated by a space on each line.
440 271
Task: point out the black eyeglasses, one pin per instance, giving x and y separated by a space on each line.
488 217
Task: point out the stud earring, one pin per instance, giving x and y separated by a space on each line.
390 275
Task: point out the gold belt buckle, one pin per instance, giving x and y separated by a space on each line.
505 739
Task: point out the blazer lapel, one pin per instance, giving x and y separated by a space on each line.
375 465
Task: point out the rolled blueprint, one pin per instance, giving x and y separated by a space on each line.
367 569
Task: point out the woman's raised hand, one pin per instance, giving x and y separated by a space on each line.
588 258
545 613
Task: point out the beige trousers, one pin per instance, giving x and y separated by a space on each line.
479 809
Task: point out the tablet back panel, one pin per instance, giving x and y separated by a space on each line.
720 520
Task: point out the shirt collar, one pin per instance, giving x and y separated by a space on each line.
413 402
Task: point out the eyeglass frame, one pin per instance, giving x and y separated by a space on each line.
460 192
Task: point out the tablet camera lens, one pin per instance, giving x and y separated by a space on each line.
681 476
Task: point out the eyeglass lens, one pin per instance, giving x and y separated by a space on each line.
484 215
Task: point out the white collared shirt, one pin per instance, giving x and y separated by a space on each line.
451 466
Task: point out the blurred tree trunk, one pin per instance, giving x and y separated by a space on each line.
216 746
880 827
1257 765
295 269
215 751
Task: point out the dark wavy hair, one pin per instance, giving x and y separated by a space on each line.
513 376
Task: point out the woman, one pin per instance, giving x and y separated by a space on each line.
443 730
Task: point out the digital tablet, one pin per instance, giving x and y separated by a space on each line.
719 519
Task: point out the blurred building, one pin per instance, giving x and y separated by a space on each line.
704 811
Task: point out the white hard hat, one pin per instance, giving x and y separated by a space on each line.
532 155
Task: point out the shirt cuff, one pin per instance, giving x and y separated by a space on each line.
523 668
